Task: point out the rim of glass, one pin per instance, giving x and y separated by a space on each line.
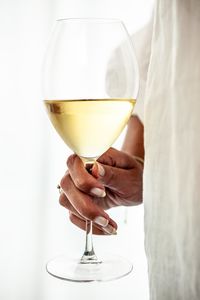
103 20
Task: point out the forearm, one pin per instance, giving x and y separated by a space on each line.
134 139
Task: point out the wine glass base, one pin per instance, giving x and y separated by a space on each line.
112 267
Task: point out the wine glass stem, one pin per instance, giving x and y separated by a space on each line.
89 255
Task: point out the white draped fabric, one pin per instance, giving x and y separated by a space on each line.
172 152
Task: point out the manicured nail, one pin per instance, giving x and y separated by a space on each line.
101 221
98 192
101 170
109 229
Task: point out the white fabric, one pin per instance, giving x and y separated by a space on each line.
172 152
142 46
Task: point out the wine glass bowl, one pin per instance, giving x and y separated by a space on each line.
82 124
90 87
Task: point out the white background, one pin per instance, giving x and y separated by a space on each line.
33 227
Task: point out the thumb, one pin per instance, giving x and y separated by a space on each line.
113 168
111 177
119 159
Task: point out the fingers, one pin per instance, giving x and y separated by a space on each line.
82 205
66 203
82 225
110 171
82 179
118 159
85 193
113 177
115 167
81 201
79 221
123 186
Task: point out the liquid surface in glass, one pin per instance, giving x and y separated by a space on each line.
89 127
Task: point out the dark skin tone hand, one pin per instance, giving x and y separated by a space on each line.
115 180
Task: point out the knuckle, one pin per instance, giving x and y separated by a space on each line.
71 217
82 184
110 177
64 181
86 212
70 160
62 200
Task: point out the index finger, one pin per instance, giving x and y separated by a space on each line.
82 179
85 207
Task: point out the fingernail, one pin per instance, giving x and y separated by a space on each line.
110 229
101 221
98 192
101 170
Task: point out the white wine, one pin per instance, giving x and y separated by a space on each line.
89 127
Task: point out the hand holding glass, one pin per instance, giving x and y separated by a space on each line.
90 84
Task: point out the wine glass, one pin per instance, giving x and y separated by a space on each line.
90 86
